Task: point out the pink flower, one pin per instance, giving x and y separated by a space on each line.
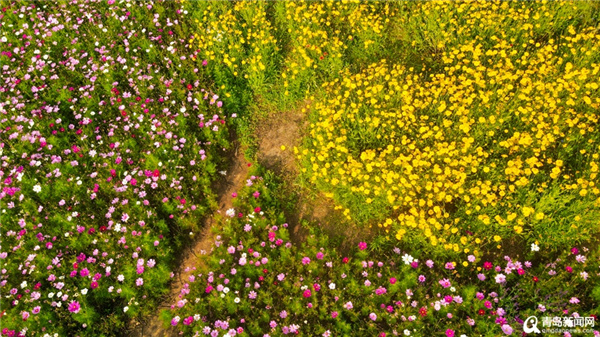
450 333
362 245
306 293
305 260
320 256
393 280
74 307
445 283
334 314
507 329
373 316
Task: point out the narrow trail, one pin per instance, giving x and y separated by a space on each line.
191 258
282 128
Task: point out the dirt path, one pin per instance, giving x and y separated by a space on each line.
281 128
191 258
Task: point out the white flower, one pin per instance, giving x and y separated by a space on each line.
406 332
196 317
535 248
332 286
237 300
225 290
125 309
230 212
121 278
37 188
452 289
407 259
84 291
50 295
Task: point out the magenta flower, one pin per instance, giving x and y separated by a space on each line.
74 307
305 260
449 333
306 293
362 245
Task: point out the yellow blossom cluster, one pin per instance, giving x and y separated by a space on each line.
497 136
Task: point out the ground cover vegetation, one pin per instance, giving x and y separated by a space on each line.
461 138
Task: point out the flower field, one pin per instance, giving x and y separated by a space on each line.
456 143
